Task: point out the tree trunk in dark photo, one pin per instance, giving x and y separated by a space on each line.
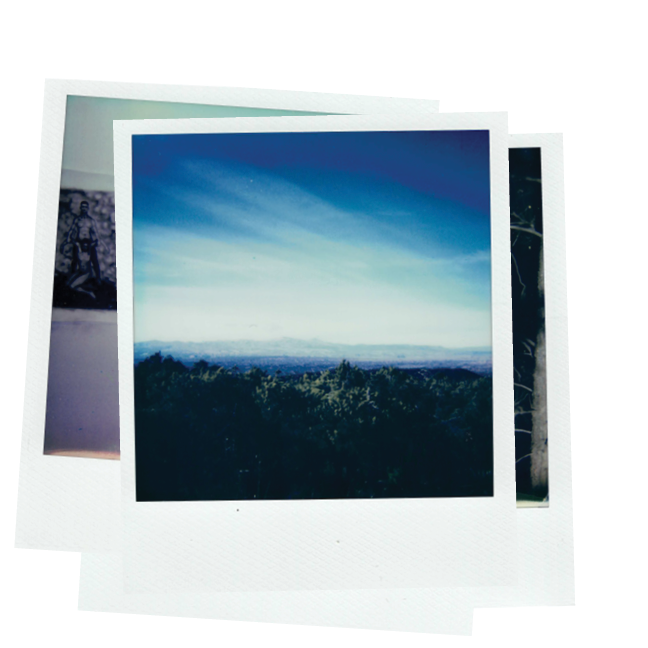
539 455
529 337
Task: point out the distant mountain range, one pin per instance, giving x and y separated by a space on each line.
296 356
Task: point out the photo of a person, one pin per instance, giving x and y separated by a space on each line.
81 242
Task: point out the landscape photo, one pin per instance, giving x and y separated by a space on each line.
312 315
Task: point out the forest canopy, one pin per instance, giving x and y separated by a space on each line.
210 433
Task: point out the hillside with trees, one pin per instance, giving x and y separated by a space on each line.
210 433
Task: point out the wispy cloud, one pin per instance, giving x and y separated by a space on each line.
229 251
237 201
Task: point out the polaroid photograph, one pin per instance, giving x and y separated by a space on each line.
545 542
543 447
315 352
72 395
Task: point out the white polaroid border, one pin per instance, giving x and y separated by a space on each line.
437 610
73 503
545 535
323 544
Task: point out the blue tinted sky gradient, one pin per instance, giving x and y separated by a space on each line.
349 237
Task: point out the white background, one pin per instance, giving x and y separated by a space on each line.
555 66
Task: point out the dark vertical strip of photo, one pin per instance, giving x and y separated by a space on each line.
529 337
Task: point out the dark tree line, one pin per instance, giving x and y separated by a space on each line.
209 433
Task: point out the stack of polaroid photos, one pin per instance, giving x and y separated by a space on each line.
332 386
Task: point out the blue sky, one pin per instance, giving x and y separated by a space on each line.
349 237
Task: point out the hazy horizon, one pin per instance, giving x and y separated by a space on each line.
301 356
307 340
354 238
